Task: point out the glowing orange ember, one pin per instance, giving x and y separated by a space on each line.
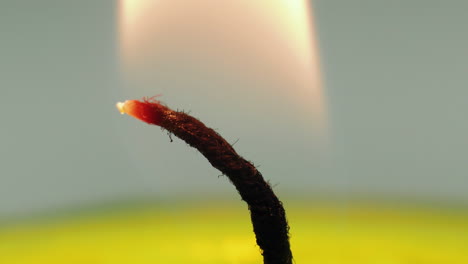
148 110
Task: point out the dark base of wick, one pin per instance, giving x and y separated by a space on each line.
266 210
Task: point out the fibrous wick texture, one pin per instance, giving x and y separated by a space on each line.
266 210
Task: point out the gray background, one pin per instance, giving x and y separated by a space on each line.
395 75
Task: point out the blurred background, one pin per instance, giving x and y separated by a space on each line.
354 111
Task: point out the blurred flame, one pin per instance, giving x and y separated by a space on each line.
292 17
130 12
272 38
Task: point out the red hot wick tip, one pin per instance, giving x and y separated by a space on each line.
148 110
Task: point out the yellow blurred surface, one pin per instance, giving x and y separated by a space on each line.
222 234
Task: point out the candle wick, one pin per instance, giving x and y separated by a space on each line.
266 210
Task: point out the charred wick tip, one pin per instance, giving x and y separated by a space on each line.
266 210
